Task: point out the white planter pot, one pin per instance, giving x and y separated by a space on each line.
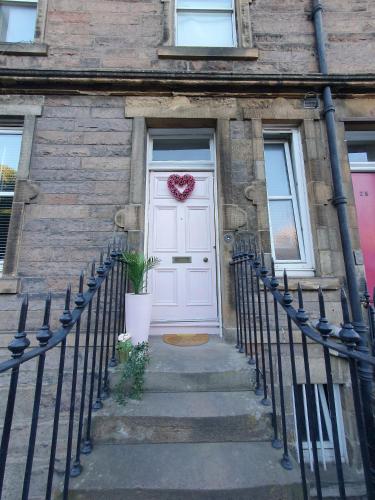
138 310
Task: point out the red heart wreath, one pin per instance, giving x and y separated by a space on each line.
175 180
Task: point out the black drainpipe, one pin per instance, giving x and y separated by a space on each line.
340 202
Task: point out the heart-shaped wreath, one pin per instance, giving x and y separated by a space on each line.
175 180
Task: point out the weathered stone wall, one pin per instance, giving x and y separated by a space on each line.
80 168
125 35
88 162
85 158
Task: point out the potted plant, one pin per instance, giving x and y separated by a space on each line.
138 304
124 346
132 374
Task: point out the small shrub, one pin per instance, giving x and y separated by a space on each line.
131 381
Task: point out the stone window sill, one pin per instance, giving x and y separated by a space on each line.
23 49
9 285
229 53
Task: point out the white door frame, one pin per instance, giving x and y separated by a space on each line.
199 166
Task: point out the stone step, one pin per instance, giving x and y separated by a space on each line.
215 366
355 488
185 417
210 471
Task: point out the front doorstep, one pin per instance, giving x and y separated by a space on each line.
162 328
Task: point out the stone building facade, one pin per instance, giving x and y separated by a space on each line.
101 74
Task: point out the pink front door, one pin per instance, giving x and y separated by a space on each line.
364 193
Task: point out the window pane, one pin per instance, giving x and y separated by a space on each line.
284 232
10 148
19 22
204 4
361 152
202 29
5 212
181 149
276 170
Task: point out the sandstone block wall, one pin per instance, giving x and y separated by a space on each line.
125 35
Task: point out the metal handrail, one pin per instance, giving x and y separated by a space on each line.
257 300
105 320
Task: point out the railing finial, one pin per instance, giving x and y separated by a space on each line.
91 282
288 297
274 282
263 269
80 300
66 316
301 315
323 325
45 333
366 296
20 342
347 333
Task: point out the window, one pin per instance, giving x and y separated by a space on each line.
323 429
205 23
192 148
287 202
18 19
10 149
361 149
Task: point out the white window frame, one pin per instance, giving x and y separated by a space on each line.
291 138
326 452
9 131
175 165
361 136
232 11
19 2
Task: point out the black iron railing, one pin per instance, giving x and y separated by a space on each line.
97 319
279 340
368 305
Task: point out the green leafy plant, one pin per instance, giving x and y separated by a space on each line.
132 376
124 347
138 266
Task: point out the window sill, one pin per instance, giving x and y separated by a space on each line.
311 284
9 285
210 53
23 49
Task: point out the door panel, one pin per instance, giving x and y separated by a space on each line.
198 239
364 193
198 287
182 235
166 238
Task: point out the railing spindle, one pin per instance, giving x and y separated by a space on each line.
244 347
325 330
251 358
65 320
285 461
43 337
260 270
101 272
87 444
351 339
116 256
311 403
80 302
109 264
276 443
258 389
77 467
17 348
237 265
236 301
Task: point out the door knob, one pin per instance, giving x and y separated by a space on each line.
205 259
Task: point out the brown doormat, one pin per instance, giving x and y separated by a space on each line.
186 339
